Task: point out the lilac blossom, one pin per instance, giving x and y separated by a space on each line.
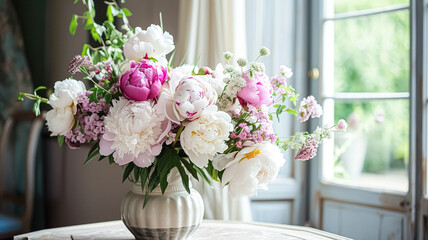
307 151
90 117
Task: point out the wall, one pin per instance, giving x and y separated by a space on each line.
79 194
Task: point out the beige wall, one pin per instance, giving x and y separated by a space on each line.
75 193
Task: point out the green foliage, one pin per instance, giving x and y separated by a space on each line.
73 24
60 140
93 152
128 171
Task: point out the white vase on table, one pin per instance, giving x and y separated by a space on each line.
174 215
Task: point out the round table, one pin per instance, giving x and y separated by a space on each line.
208 230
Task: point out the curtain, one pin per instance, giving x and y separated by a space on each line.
15 77
207 29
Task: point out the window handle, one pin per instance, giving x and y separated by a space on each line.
314 73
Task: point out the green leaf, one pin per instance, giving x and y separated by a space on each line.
137 173
166 162
85 49
101 157
108 97
292 111
153 181
89 22
60 139
91 7
75 1
189 167
115 11
109 14
196 64
73 24
93 97
126 12
160 20
111 159
95 35
202 173
128 171
146 197
144 174
93 152
184 177
96 57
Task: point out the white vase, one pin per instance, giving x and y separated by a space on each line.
174 215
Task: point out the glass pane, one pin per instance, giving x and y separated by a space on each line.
371 54
374 151
357 5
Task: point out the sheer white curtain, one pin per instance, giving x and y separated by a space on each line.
208 28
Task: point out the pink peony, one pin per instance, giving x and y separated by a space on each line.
143 80
307 152
257 92
341 125
191 96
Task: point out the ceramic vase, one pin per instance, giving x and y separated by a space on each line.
174 215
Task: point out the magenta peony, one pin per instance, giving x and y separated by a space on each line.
143 80
257 91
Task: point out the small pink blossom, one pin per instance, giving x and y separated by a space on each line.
285 71
309 108
308 151
304 114
341 125
170 138
277 83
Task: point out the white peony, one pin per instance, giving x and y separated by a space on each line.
252 168
148 43
204 137
60 120
66 93
134 131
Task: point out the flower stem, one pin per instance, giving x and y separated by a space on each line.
178 135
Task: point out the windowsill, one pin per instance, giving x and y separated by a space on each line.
395 180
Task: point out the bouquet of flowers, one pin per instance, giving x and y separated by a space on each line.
150 117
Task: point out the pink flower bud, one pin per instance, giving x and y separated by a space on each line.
143 80
341 125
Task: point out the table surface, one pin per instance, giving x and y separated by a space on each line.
208 230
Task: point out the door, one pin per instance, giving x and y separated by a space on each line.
421 58
360 183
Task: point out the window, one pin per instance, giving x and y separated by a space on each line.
366 71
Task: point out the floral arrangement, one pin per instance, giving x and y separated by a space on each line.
150 117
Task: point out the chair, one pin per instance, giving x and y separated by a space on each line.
11 225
